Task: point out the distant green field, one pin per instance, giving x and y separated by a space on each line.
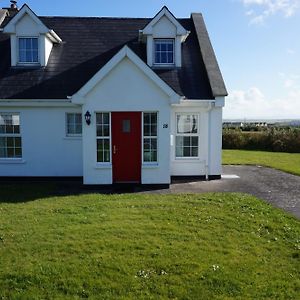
209 246
288 162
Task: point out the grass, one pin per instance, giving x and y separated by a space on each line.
209 246
287 162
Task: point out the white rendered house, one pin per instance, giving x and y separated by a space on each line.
111 100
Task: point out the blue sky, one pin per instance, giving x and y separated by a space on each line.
256 42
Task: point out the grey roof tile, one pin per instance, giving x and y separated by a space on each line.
88 44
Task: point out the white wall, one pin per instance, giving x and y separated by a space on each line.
195 166
210 142
164 28
126 88
45 149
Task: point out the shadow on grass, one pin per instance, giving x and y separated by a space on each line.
20 192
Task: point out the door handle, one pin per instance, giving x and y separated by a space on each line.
114 149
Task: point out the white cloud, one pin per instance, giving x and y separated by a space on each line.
267 8
253 104
290 51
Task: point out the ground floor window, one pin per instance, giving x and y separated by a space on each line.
10 136
74 124
187 135
103 137
150 137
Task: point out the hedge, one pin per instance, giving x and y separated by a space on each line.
276 140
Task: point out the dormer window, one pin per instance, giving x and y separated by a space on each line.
31 41
28 50
164 36
164 51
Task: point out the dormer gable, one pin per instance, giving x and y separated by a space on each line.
31 40
164 36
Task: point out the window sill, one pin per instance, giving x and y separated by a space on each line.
103 166
186 159
74 137
4 161
150 165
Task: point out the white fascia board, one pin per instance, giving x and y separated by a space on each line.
148 30
36 103
195 103
54 37
125 52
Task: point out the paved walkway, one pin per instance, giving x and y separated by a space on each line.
276 187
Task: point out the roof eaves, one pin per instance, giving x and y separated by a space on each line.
211 64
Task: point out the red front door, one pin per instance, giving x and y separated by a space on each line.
126 147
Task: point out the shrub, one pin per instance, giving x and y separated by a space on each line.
274 139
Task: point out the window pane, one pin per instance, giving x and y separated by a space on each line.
103 150
147 130
28 50
147 144
153 130
74 123
18 142
18 152
194 151
10 144
164 51
187 124
179 152
105 130
2 129
106 118
2 142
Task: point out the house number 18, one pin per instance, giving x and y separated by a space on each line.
165 126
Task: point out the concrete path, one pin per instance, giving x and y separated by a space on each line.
276 187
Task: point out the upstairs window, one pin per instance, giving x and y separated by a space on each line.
164 51
28 50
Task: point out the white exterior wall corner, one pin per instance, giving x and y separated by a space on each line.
126 88
210 139
46 151
215 133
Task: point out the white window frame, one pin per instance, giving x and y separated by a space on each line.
187 135
13 135
155 163
18 51
66 118
98 163
154 52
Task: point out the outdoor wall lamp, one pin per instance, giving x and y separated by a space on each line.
87 117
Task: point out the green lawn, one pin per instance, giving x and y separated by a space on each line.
288 162
209 246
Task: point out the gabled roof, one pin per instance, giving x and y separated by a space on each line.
209 57
10 27
125 52
164 12
89 44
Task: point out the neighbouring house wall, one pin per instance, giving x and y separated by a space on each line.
46 150
126 88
